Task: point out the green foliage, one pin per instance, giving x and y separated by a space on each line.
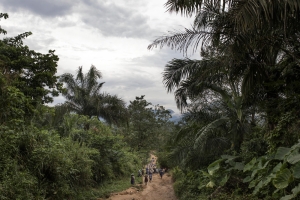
54 167
254 145
113 160
274 176
163 160
187 185
248 74
27 78
50 153
223 172
105 190
5 16
193 185
148 125
15 103
28 70
46 164
19 184
286 133
211 129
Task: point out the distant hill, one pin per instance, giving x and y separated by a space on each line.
176 117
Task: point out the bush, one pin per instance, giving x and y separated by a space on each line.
40 160
39 164
189 185
19 184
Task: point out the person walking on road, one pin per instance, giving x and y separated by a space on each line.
150 174
132 180
161 173
146 179
150 177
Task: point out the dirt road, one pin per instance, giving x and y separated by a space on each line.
158 189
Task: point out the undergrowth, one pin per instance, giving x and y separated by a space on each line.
105 190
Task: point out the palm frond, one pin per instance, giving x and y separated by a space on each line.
253 77
181 41
177 70
181 96
210 11
179 154
91 78
250 14
68 79
111 108
203 134
96 89
190 7
188 130
185 7
80 76
73 106
245 14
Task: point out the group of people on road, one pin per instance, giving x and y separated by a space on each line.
147 172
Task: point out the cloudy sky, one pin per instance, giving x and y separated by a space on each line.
113 35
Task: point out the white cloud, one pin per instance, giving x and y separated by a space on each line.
113 35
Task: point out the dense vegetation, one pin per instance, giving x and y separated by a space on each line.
74 150
240 134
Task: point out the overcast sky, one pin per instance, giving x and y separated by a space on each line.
112 35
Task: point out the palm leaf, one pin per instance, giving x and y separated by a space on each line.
181 41
209 129
185 7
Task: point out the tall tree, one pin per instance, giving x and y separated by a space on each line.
85 98
147 124
25 76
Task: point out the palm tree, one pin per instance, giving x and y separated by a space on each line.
84 97
213 77
206 81
188 151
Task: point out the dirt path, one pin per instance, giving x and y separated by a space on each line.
156 190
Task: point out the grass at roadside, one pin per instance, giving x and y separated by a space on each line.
114 186
105 190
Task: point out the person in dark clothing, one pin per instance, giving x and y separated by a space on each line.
146 179
132 180
150 177
161 173
150 174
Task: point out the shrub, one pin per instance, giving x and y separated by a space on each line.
40 160
188 185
